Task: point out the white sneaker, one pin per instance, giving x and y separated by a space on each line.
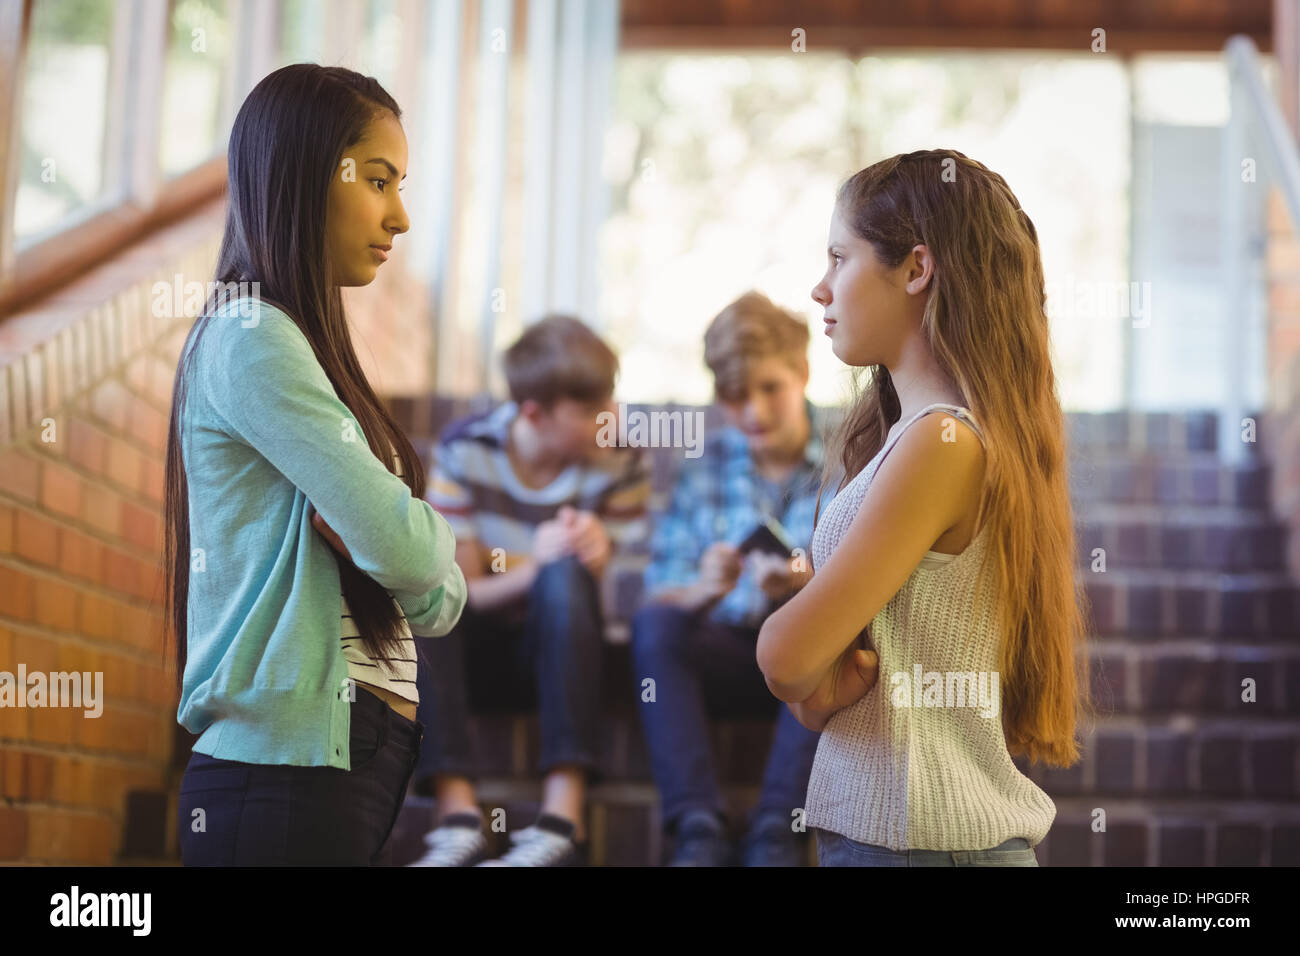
458 844
549 842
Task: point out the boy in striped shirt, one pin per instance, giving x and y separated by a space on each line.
537 505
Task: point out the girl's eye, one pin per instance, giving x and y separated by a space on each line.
382 183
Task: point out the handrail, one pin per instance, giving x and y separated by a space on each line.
1254 121
1244 68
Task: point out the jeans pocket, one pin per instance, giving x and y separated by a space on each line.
835 849
365 738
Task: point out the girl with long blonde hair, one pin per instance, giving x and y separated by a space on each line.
943 629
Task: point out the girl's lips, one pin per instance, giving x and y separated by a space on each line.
383 256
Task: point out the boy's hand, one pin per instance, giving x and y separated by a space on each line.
720 568
328 533
550 542
775 575
587 538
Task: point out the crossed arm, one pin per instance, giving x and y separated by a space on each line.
923 487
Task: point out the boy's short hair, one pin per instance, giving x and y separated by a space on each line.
556 357
750 329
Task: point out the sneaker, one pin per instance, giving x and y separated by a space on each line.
458 841
771 842
701 840
548 842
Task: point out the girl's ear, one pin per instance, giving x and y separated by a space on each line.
920 267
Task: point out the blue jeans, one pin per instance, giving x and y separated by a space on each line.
834 849
282 815
702 669
545 654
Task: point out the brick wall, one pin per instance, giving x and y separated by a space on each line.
85 394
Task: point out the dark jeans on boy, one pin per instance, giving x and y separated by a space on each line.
702 668
544 654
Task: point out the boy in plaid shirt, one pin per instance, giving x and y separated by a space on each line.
696 635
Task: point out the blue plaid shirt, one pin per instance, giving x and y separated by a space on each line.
720 496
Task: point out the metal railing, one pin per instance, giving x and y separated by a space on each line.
1254 121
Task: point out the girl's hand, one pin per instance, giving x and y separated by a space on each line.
847 681
328 533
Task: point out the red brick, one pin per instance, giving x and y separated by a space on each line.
20 474
125 465
61 490
65 836
87 445
56 605
102 509
6 528
148 425
80 556
18 588
110 404
36 538
13 833
142 527
38 776
153 482
98 616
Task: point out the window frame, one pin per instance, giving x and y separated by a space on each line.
139 198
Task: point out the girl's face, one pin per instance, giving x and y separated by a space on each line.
364 211
870 308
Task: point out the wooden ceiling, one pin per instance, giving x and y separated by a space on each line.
1131 25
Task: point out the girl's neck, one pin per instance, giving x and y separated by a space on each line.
919 382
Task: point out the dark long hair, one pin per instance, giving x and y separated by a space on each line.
285 146
985 322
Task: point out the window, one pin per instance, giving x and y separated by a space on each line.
724 170
65 168
196 88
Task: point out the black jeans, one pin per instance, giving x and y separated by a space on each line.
546 655
282 815
702 669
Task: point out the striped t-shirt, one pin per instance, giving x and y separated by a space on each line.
396 673
473 485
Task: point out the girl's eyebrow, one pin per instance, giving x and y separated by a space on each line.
380 159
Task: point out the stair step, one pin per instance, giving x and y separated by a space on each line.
1142 832
1212 538
1192 478
1160 601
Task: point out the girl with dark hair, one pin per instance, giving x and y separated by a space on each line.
944 567
300 554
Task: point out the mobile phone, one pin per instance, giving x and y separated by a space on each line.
770 537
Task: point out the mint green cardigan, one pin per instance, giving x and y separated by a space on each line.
264 433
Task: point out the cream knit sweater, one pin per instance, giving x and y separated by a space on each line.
921 761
